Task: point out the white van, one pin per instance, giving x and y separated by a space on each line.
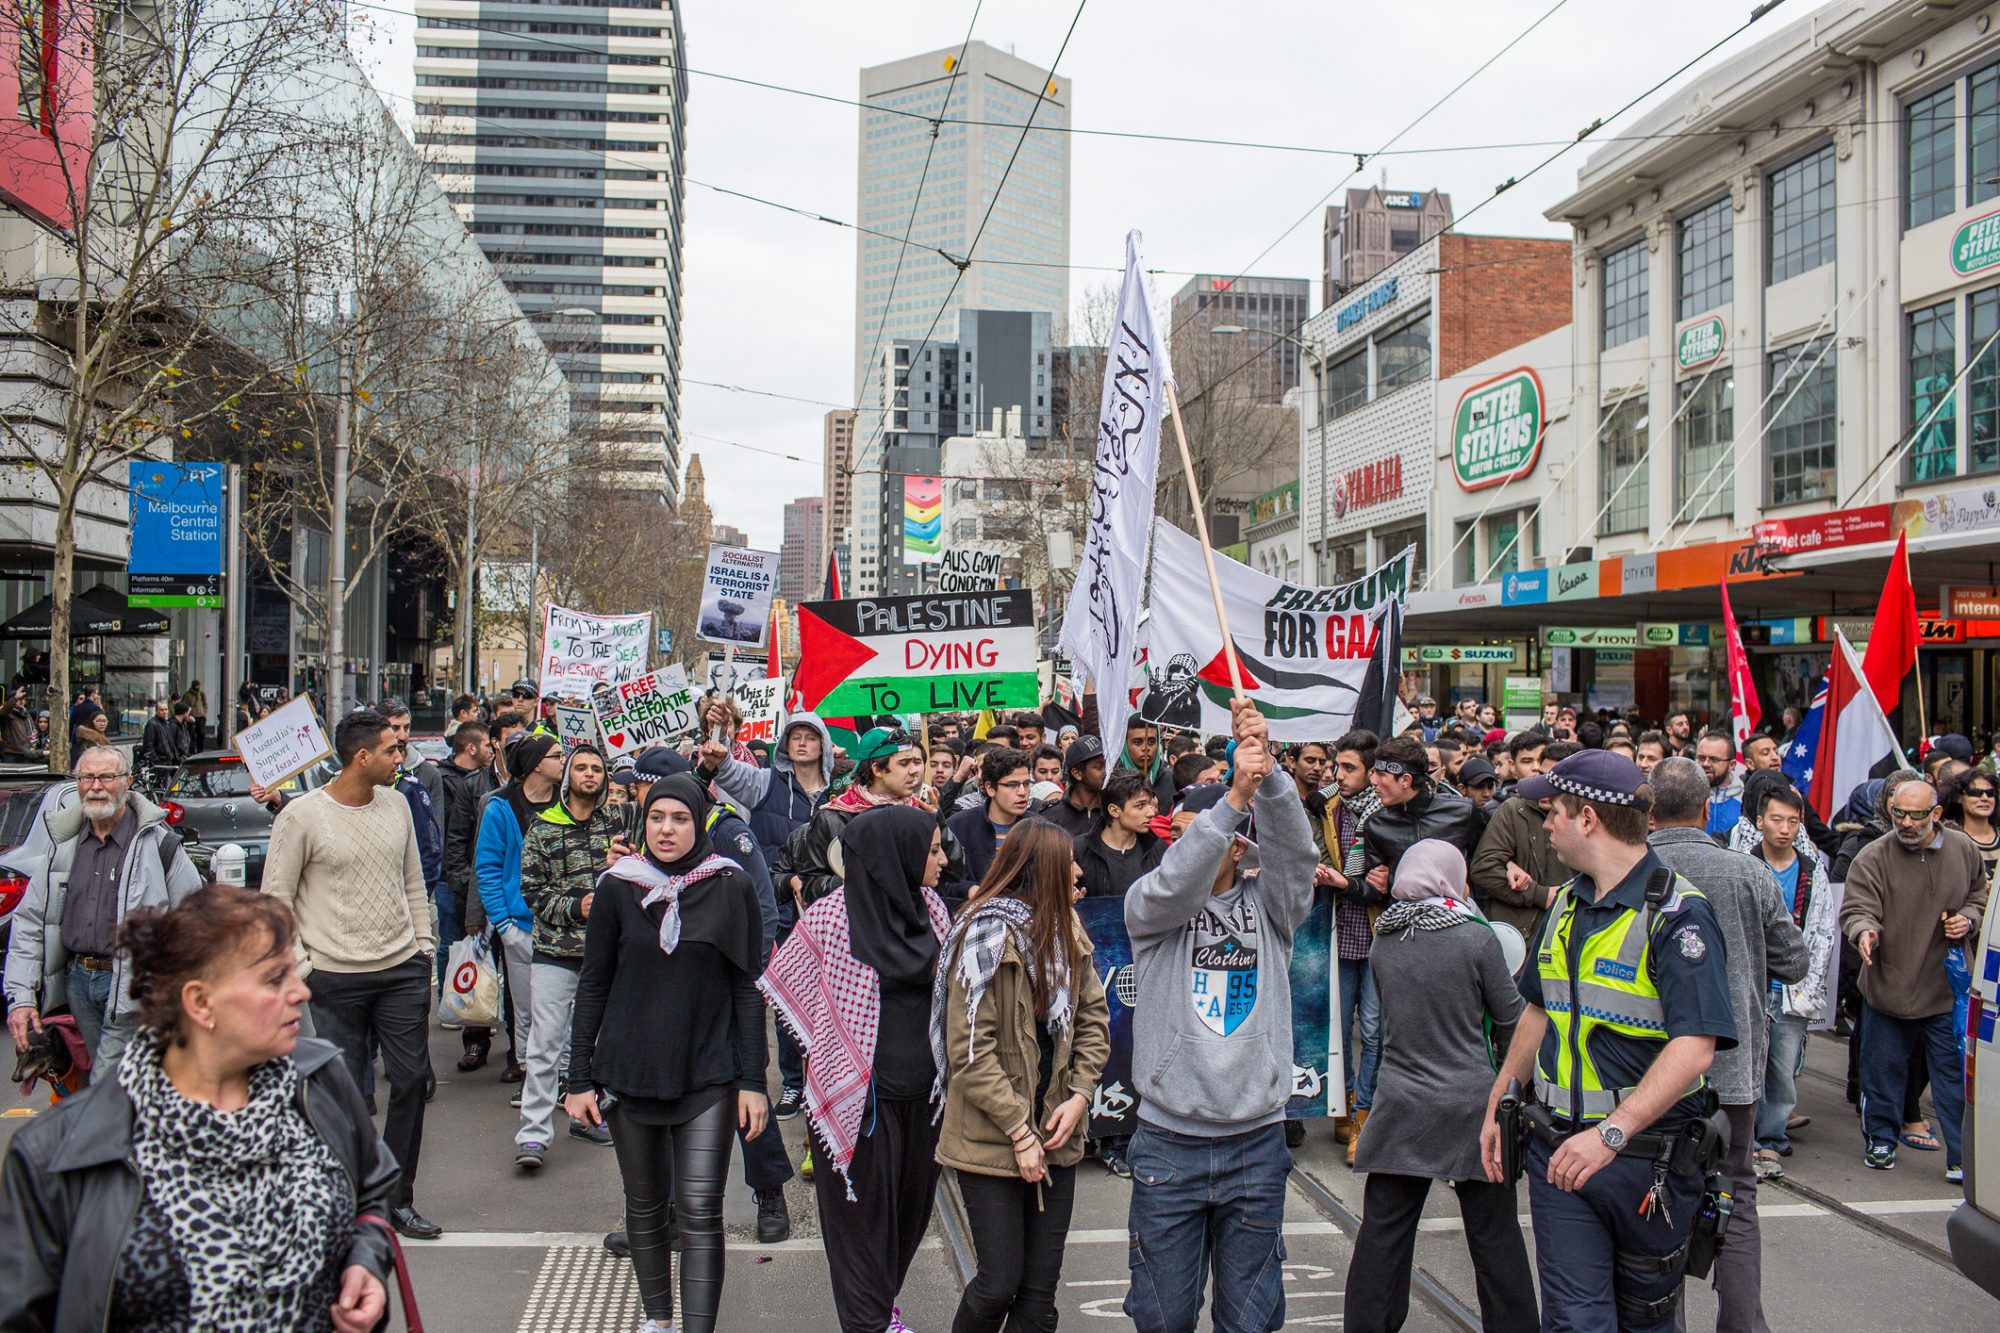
1973 1229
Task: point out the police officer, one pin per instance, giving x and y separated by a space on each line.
1627 1003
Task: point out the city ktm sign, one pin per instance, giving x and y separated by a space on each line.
1496 434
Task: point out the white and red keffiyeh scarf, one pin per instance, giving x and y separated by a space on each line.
832 1003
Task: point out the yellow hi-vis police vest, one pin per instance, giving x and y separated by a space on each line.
1611 986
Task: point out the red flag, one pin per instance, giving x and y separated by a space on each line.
1892 644
833 592
1744 712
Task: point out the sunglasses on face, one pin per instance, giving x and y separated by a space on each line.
1980 793
1903 816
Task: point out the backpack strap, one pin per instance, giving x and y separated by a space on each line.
170 842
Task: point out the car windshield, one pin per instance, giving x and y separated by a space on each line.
220 778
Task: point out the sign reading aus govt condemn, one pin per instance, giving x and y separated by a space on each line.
939 652
176 557
1496 435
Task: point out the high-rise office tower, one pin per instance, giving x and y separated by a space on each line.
561 137
941 205
1376 227
837 454
802 556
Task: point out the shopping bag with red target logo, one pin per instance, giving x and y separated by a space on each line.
472 986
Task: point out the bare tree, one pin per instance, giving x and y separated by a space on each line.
139 271
1243 441
613 551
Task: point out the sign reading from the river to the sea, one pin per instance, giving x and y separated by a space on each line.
934 653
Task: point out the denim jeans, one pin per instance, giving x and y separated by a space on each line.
1781 1077
1360 1008
1889 1046
1202 1204
89 996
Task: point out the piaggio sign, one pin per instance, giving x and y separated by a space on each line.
1496 434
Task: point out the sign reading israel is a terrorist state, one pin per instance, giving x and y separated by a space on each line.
936 653
654 709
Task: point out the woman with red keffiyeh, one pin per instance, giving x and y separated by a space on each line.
853 983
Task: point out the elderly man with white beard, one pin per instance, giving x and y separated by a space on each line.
113 853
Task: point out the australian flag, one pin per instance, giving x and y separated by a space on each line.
1799 757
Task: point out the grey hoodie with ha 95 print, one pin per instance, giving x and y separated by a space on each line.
1212 1028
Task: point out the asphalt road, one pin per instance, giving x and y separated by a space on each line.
1844 1247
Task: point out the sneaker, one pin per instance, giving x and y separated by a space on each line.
1769 1165
597 1134
806 1166
1114 1162
513 1074
451 1025
1881 1156
618 1244
530 1156
790 1102
656 1326
774 1220
896 1324
1954 1175
515 1101
1796 1121
1295 1133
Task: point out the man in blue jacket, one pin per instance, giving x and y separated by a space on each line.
534 772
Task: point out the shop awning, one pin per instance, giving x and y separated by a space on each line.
93 612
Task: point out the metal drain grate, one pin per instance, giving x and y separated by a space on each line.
583 1289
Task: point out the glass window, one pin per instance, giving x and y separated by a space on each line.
1465 553
1801 196
1350 559
1704 462
1625 305
1933 366
1708 257
1801 430
1347 384
1622 490
1929 157
1390 541
1403 356
1982 134
1983 383
1509 545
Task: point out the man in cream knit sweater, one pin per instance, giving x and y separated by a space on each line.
345 859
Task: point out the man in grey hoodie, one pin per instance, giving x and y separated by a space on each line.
1212 1050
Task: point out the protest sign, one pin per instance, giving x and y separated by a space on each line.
736 596
1317 1079
968 571
1306 652
579 651
655 709
933 653
287 742
576 724
719 675
762 699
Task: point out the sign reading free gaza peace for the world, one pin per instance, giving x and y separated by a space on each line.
1496 435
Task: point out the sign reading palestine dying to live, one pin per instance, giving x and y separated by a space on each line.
933 653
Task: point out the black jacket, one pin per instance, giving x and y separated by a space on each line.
807 854
69 1193
1099 880
1389 832
460 815
162 742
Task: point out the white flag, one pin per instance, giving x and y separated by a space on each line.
1101 622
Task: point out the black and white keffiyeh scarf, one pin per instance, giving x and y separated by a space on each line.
1425 914
254 1199
980 939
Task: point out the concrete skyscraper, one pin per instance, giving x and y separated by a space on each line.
561 137
941 206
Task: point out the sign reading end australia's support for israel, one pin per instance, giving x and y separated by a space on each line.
1103 612
1497 433
177 551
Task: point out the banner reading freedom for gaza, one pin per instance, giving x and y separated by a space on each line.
1317 1082
580 651
933 653
1304 650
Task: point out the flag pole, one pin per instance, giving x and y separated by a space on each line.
1207 551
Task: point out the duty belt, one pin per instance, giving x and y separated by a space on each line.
1553 1129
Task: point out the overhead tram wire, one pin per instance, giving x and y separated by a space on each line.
1512 181
910 226
1041 95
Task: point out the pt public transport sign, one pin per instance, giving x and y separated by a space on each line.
1496 435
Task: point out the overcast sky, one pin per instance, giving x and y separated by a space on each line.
770 295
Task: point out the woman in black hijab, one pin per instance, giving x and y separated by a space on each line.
669 1025
853 982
